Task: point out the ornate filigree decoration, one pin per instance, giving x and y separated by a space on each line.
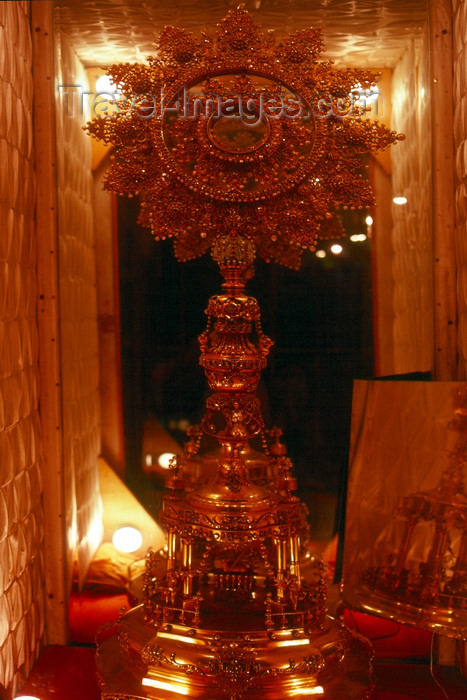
220 168
239 119
310 666
154 655
187 521
234 667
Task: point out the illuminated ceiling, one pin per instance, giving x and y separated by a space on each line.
363 33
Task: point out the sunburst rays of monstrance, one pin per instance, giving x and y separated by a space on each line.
242 145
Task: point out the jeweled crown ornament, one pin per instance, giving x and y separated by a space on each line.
229 143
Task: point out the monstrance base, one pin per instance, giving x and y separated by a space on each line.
139 661
442 618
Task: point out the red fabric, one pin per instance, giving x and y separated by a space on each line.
64 673
89 611
390 640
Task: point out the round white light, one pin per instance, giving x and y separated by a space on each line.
369 220
27 697
336 249
399 200
164 459
365 97
105 86
127 539
357 237
320 253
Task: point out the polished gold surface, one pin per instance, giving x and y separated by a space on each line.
207 663
227 611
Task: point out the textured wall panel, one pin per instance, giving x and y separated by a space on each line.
78 318
412 230
358 32
21 519
460 142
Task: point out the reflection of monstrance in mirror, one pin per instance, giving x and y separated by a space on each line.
242 146
411 565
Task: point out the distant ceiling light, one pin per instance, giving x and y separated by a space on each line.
336 249
105 86
127 539
365 97
369 220
164 459
320 253
399 200
148 460
357 237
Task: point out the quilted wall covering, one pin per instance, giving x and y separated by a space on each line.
21 519
460 142
78 317
412 265
23 626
